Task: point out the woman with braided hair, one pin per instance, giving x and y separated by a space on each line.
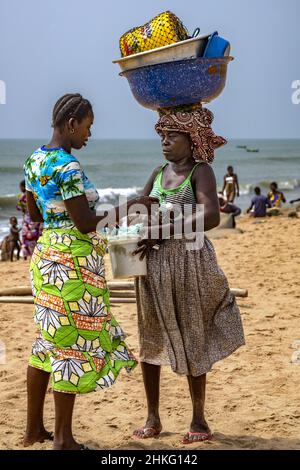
187 316
80 343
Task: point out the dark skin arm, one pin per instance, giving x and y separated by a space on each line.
78 209
149 185
15 230
87 221
204 184
250 208
224 185
237 186
33 209
84 219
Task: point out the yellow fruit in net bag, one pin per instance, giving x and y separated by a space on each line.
162 30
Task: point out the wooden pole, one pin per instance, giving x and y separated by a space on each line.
125 285
239 292
125 297
26 290
20 299
21 290
27 299
127 294
120 291
116 300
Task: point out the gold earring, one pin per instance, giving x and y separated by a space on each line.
72 131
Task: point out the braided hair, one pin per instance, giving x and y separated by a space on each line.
71 105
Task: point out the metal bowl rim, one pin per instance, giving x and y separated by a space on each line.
162 48
226 59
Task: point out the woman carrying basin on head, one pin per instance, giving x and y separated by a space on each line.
187 316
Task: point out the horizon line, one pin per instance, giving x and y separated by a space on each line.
150 138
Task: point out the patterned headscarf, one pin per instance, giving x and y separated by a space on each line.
195 121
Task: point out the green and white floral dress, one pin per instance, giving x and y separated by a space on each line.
80 342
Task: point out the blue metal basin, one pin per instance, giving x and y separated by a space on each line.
179 82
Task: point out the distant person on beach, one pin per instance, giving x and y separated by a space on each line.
81 345
187 316
14 238
22 202
231 185
228 208
275 197
259 204
30 236
30 230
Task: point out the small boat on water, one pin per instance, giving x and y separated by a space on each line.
252 150
241 146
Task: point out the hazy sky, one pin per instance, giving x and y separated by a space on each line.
50 47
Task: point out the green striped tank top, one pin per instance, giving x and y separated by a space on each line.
182 194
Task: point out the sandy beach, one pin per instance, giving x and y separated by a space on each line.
252 397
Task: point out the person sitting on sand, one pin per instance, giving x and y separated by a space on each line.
5 248
187 317
228 208
81 345
14 238
231 185
259 204
275 197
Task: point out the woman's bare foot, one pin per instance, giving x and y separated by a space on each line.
67 445
39 436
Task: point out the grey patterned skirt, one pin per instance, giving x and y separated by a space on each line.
187 317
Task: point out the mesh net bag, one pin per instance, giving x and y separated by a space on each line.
162 30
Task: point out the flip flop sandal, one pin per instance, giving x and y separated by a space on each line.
147 433
200 437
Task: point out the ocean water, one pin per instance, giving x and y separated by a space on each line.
123 167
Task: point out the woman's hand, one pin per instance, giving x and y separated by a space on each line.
148 220
147 243
147 217
134 219
145 246
145 201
